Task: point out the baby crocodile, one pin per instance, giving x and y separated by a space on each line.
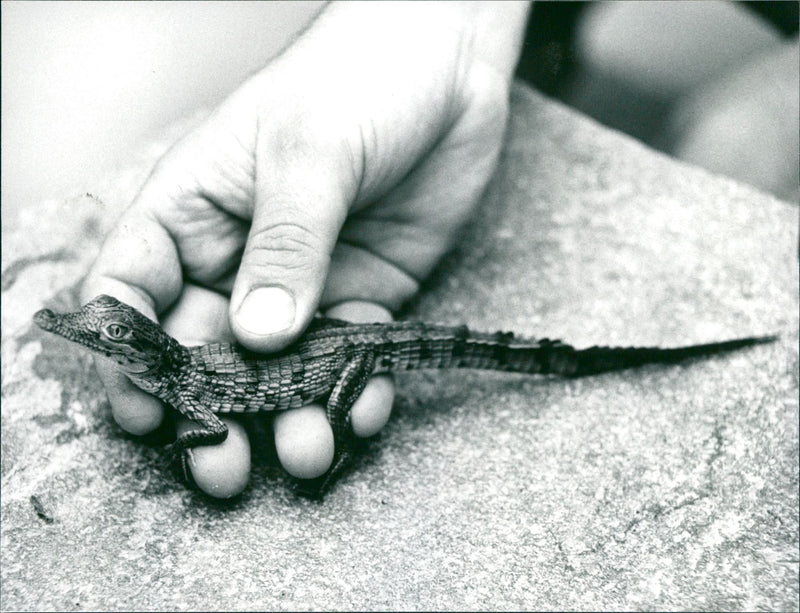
330 363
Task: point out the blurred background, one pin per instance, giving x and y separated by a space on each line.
85 85
712 83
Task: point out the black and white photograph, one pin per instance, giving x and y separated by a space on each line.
400 306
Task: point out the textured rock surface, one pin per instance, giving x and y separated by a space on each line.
659 488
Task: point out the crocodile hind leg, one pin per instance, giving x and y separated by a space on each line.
352 379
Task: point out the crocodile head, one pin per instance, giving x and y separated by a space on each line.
118 331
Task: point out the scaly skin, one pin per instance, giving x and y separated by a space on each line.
330 363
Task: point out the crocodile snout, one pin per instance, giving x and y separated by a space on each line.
45 319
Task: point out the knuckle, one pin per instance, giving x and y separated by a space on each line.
291 236
289 244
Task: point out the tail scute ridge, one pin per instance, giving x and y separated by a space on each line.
595 360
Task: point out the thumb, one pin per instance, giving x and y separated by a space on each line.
300 206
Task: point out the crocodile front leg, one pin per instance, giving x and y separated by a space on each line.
212 431
352 380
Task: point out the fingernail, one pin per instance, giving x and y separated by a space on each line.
266 310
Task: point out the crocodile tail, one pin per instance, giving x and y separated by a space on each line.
594 360
447 347
442 347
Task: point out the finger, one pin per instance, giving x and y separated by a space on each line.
137 264
201 316
358 274
198 317
220 470
134 410
300 204
304 441
371 410
304 438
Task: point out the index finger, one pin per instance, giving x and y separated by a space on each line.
138 264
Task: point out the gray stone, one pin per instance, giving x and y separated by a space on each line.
657 488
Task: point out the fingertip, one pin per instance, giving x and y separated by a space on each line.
360 311
372 409
304 441
264 318
134 410
223 470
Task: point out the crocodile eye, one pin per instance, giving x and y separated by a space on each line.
116 332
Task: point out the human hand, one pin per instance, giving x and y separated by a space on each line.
333 179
